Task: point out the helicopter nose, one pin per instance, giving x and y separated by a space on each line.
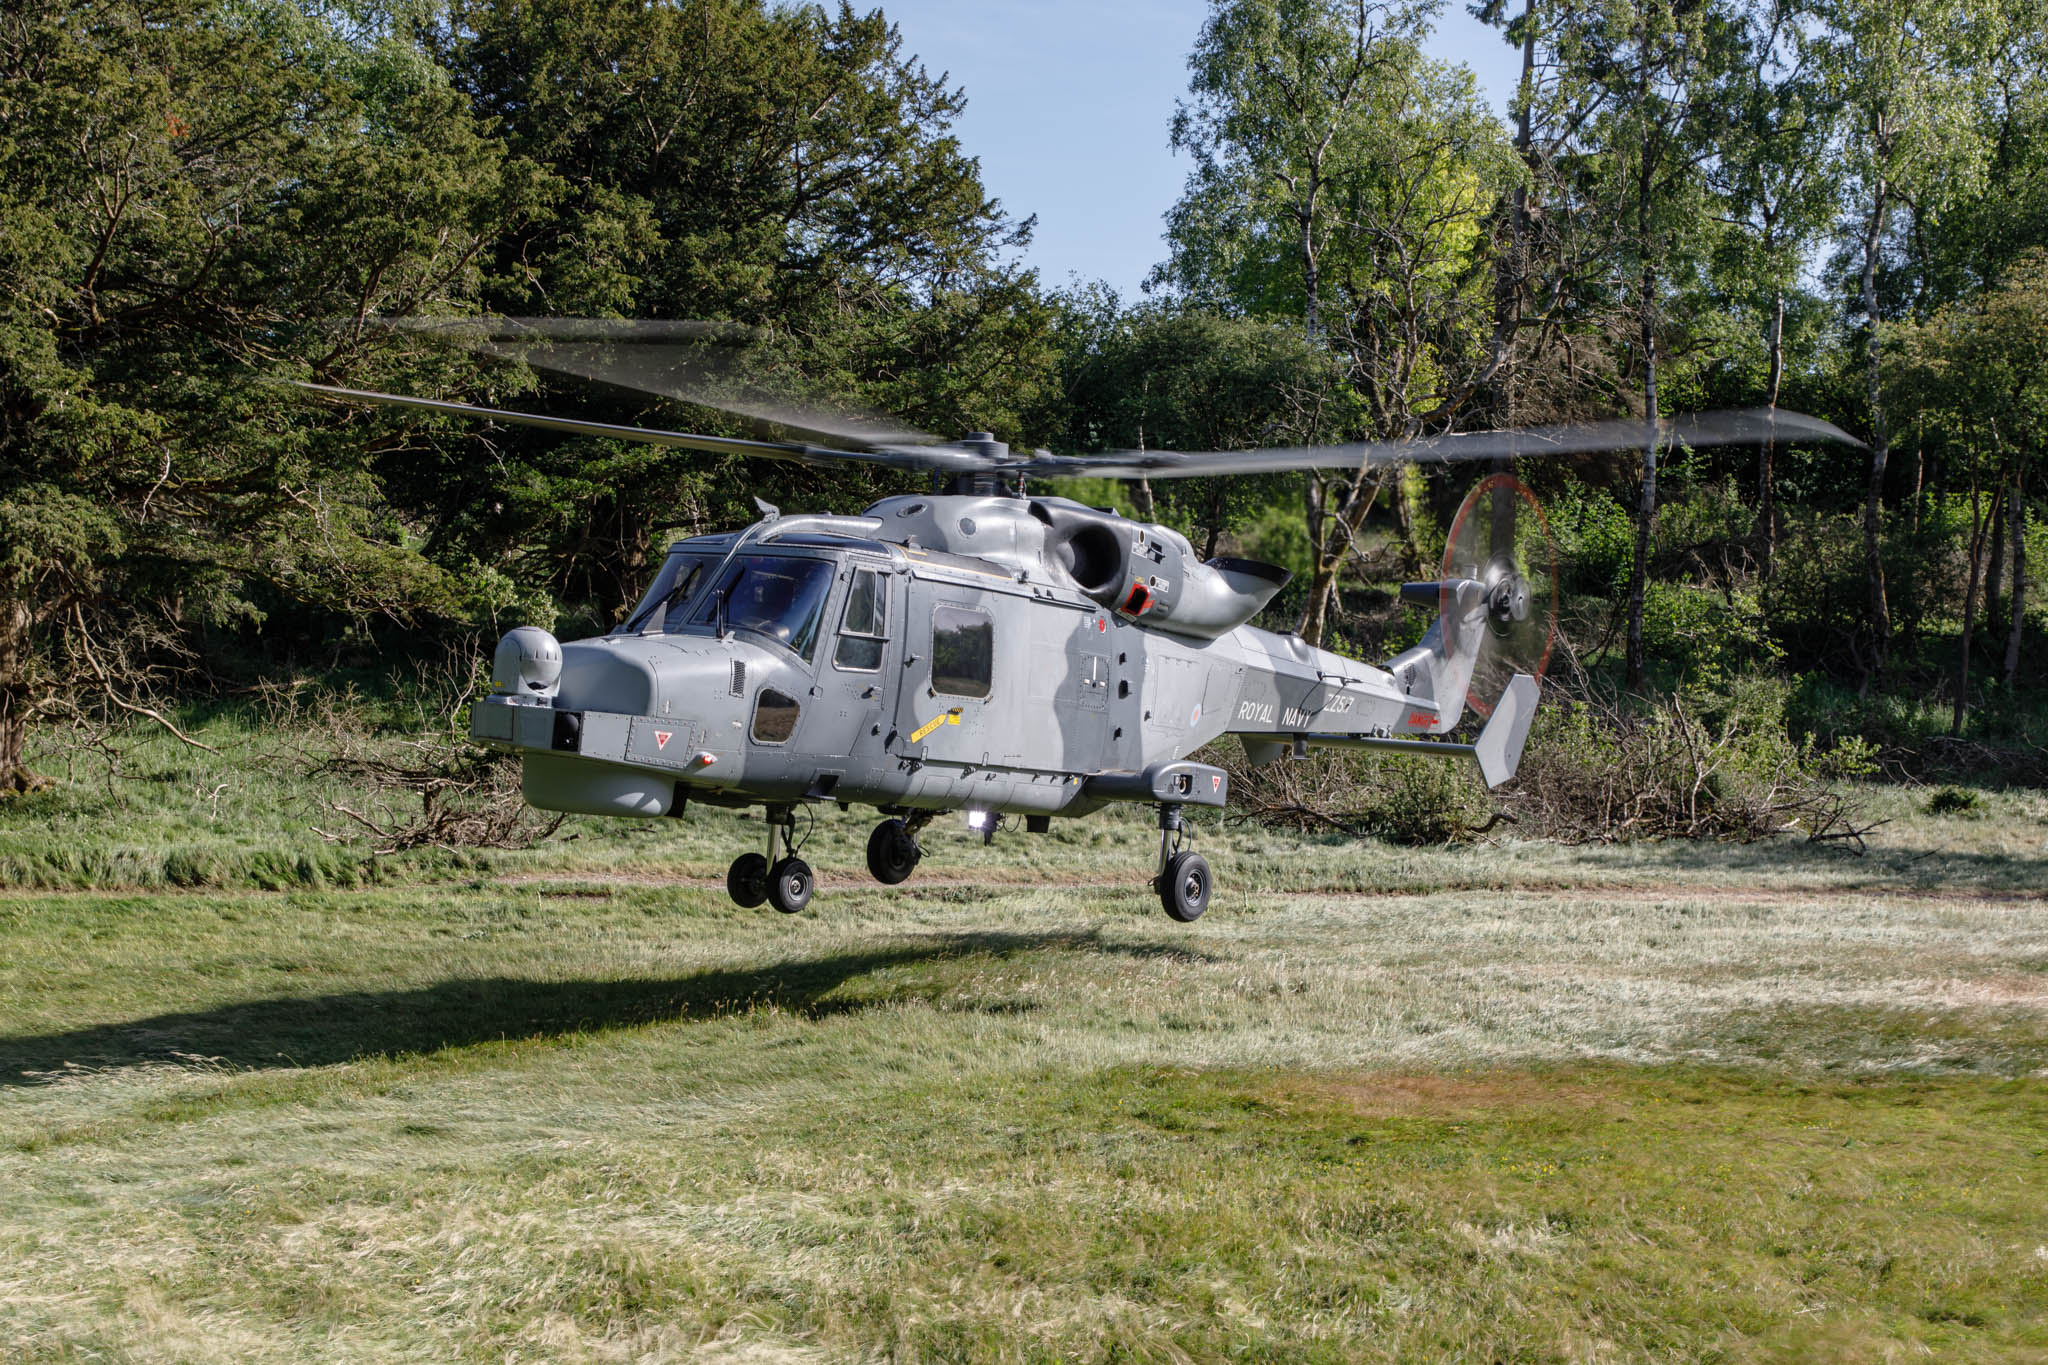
601 675
663 701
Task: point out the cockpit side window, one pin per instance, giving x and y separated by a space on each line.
864 626
781 598
660 609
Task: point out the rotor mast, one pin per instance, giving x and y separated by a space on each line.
991 481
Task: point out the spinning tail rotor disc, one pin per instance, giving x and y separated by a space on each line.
1499 593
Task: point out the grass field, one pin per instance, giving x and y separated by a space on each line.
1497 1103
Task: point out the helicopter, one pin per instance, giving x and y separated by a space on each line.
981 648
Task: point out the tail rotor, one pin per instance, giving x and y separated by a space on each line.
1498 588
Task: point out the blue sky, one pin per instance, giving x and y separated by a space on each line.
1069 104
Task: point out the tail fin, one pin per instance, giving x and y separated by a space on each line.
1499 746
1439 669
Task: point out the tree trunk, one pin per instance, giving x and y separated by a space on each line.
1919 468
1311 282
1315 616
2019 578
1766 512
1646 505
1962 708
1880 624
1994 568
1337 530
16 703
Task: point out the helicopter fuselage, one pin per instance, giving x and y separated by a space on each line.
938 653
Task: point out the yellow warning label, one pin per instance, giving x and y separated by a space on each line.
951 717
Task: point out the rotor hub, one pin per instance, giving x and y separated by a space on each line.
1507 598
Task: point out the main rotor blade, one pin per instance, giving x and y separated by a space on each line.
1745 426
915 458
489 328
699 363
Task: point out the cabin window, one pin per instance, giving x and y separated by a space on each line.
864 628
774 716
963 651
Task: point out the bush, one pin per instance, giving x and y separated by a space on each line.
1953 801
1596 539
1706 637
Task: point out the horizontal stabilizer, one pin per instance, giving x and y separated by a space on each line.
1499 746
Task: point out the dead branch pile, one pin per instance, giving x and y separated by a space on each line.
1403 800
429 788
1594 774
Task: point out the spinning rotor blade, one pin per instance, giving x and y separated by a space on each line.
946 458
690 362
1500 540
1744 426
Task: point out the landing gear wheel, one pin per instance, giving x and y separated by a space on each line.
893 853
746 881
1184 887
790 885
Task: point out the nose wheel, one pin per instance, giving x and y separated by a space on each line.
790 885
1183 881
746 881
785 882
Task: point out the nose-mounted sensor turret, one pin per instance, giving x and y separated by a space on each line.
527 665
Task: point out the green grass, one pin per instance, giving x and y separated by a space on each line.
1498 1103
252 816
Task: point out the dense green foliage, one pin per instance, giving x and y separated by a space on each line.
1834 204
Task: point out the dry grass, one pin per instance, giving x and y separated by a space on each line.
1507 1102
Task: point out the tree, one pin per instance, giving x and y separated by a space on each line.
1903 70
1344 180
183 186
1777 184
1166 379
1650 77
1979 371
1279 87
785 167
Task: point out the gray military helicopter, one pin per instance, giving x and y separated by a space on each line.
976 648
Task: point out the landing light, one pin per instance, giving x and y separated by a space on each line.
979 820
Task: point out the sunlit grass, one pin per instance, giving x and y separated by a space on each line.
1501 1102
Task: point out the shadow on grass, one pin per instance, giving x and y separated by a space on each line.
321 1030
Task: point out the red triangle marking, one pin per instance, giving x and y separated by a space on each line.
662 737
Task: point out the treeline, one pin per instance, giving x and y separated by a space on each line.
1836 206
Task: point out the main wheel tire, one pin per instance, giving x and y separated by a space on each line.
790 885
893 853
746 881
1184 887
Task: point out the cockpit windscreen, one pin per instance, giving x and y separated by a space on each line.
783 599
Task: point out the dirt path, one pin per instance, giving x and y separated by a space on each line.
595 883
598 883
